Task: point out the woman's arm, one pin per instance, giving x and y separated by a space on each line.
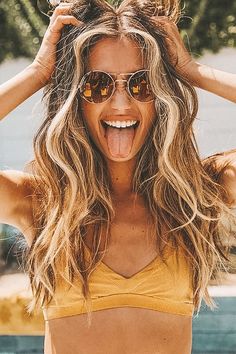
16 196
216 81
227 160
35 76
18 89
229 184
221 167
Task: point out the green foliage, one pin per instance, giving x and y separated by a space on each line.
209 24
21 28
206 24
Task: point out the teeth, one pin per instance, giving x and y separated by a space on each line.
120 124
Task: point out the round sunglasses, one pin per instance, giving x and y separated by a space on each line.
99 86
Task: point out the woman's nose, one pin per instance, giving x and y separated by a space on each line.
120 98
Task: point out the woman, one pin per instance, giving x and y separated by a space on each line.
121 219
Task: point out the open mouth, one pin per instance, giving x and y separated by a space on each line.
117 125
119 136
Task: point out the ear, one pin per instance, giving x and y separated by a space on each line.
89 10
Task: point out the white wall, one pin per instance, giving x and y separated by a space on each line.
215 126
17 129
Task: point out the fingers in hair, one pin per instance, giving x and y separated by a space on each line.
61 20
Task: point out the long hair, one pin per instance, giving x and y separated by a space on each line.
72 183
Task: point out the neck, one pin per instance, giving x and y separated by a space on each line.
121 178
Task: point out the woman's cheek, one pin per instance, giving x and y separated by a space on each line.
91 116
148 113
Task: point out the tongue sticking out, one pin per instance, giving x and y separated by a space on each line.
119 141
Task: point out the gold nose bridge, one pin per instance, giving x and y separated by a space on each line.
122 81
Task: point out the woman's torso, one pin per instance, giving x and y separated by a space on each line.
128 330
120 330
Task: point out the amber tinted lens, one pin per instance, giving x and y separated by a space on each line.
96 87
139 87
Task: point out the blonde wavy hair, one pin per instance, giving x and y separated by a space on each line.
72 183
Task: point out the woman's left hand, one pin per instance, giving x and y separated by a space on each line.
179 55
212 80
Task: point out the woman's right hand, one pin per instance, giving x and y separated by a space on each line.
44 61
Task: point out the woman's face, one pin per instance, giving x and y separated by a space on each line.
117 144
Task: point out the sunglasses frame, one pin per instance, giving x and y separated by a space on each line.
114 84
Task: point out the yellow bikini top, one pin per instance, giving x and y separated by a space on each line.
158 286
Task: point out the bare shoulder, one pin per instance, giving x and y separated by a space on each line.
228 181
17 200
222 169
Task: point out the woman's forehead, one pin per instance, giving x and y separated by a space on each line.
116 55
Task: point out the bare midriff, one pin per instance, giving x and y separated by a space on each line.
120 330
